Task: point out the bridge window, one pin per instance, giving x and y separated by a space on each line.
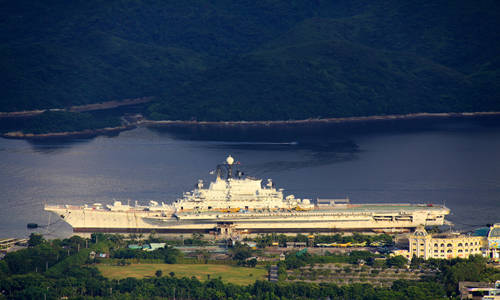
460 251
460 245
436 245
466 244
442 245
449 245
449 251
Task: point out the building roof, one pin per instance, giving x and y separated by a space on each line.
155 246
420 231
494 232
483 231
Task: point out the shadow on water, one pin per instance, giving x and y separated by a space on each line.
288 133
328 142
309 161
318 144
308 137
56 145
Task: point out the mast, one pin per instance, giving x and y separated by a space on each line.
229 164
229 161
226 167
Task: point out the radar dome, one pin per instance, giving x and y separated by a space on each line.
230 160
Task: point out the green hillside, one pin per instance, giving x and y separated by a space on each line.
253 60
320 79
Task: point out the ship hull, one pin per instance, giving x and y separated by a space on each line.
248 231
376 218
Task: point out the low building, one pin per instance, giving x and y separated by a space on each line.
147 247
479 290
444 245
154 246
296 244
401 252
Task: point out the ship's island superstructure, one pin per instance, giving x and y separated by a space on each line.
238 203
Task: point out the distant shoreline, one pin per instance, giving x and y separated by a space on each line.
87 133
146 122
324 120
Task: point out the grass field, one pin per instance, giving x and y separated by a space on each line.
232 274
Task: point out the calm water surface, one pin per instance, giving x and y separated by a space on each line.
455 162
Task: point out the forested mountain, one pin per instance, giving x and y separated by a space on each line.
253 60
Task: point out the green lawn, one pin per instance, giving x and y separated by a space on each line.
232 274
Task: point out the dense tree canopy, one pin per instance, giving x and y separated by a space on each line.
64 268
249 60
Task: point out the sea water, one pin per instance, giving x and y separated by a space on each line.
455 162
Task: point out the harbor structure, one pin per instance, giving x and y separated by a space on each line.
235 204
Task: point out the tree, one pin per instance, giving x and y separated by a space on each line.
202 255
293 261
35 240
472 269
241 252
252 263
282 239
397 261
357 256
416 262
300 238
171 254
158 273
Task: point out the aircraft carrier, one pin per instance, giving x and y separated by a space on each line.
235 203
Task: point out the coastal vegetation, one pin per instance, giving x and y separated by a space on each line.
73 268
61 121
58 122
272 60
